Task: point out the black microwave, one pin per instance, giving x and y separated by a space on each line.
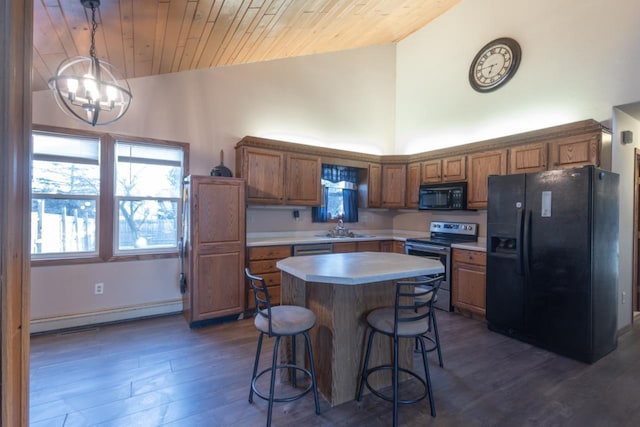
443 196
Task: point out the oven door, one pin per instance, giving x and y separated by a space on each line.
442 254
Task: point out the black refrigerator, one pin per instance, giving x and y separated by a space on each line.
552 260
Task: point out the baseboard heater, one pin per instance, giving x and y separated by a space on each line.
57 323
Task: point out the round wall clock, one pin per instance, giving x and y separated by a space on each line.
494 64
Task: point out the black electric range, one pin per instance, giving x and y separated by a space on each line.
438 246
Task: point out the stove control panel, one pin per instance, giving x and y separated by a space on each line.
466 228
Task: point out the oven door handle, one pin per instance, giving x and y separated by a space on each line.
428 248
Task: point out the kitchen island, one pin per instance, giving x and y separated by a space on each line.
341 289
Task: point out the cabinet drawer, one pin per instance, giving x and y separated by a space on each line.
345 247
263 266
269 252
272 279
470 257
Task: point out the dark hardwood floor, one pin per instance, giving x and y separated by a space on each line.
158 372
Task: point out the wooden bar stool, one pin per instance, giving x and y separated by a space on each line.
409 318
281 321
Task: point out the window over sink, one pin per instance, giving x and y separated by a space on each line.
340 198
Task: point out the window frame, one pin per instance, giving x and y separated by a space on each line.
106 251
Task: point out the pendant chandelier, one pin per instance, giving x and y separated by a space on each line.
89 89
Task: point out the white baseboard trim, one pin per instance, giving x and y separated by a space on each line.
106 316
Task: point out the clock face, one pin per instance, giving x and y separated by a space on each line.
494 65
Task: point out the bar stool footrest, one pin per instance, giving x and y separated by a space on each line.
390 398
296 396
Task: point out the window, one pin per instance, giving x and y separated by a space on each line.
99 197
65 195
340 195
148 187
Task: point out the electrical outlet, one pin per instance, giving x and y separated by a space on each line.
624 297
99 289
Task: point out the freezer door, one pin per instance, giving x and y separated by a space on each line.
505 280
557 262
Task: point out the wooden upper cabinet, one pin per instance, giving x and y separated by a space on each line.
264 172
302 179
575 151
394 182
431 171
277 177
374 184
454 169
481 165
413 184
528 158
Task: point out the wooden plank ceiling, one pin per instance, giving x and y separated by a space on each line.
150 37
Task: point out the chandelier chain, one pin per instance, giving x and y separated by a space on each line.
94 27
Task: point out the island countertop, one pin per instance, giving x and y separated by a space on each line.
358 267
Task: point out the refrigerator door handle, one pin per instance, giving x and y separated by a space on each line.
527 244
519 236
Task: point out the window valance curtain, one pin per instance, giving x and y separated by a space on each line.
336 173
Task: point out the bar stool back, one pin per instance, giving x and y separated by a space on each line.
409 318
281 321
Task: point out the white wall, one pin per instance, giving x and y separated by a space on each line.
579 59
342 100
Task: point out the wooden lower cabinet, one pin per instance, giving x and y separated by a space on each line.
469 281
362 246
262 262
369 246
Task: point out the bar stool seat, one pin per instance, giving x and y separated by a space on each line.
286 320
410 317
281 321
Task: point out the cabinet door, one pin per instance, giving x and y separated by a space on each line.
469 281
264 173
528 158
386 246
218 290
394 182
574 151
413 184
469 289
369 246
431 171
398 247
481 165
302 179
454 169
374 184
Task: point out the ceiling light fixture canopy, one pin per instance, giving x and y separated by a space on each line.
89 89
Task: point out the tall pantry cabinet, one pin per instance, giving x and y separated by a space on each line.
213 248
